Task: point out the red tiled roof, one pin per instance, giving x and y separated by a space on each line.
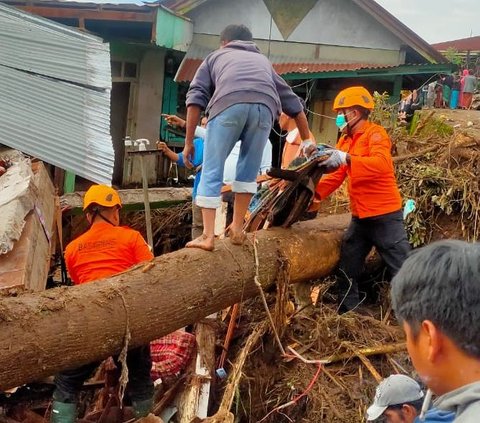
188 67
464 44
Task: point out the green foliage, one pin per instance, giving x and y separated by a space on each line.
453 56
383 112
439 190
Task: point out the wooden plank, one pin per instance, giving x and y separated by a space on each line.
17 199
27 265
132 199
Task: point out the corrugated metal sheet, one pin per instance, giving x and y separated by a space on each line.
181 6
61 120
464 44
282 64
44 47
172 31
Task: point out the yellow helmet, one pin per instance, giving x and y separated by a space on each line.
353 96
102 195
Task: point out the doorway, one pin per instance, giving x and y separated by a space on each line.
120 100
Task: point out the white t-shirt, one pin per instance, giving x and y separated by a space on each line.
230 169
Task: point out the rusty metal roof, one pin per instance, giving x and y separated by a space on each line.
181 6
463 44
282 64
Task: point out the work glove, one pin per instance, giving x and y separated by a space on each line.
336 159
308 147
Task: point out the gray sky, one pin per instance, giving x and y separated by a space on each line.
433 20
437 20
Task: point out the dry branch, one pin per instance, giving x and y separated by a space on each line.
382 349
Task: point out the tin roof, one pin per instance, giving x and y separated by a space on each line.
282 64
189 66
55 88
181 6
463 44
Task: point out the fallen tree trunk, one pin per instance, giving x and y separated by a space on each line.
42 333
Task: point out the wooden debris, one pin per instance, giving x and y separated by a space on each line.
382 349
224 415
193 400
133 199
17 198
363 358
28 263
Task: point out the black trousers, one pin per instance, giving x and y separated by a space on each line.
139 388
387 233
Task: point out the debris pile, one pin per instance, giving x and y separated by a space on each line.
438 168
346 357
171 226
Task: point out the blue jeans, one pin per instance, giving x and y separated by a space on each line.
249 122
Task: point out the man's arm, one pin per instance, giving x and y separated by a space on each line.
193 116
302 125
167 151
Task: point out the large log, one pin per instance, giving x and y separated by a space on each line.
42 333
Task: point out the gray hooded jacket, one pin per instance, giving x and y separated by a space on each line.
239 73
464 402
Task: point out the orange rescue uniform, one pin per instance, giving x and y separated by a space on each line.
104 250
372 185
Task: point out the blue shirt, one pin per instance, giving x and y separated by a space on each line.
434 415
196 161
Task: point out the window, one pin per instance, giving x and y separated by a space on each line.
123 70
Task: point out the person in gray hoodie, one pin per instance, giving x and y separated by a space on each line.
241 94
436 297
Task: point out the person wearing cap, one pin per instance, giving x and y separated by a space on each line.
362 156
399 399
242 94
436 298
103 250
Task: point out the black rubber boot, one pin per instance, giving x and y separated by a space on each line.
142 408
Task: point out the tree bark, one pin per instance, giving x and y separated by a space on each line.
43 333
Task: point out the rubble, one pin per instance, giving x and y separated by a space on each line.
27 229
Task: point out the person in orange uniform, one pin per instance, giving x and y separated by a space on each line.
363 157
293 141
104 250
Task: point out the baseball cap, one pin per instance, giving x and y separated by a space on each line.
394 390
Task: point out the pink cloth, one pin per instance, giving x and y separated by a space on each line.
171 354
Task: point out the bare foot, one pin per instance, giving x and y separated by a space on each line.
203 242
237 238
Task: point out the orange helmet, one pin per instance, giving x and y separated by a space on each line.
102 195
353 96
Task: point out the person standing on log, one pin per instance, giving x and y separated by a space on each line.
363 157
242 94
104 250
